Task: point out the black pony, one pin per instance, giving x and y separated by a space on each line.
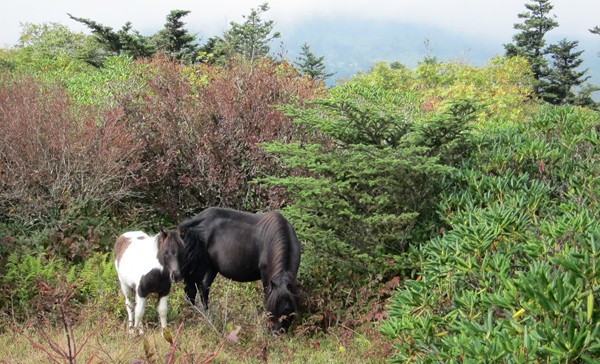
243 247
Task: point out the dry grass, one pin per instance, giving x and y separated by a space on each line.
203 338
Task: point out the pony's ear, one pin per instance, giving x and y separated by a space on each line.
163 233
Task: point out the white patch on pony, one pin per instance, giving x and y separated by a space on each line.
138 259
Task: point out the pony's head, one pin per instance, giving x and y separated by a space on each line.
281 301
170 253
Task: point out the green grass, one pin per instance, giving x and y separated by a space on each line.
203 337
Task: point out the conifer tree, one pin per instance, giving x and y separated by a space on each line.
174 40
595 30
563 76
125 41
251 39
311 65
212 51
530 43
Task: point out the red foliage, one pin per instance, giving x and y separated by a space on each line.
52 159
188 141
202 138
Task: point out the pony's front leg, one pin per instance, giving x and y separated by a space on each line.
140 308
162 311
209 277
191 290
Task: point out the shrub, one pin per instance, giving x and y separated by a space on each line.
502 85
513 275
202 128
53 161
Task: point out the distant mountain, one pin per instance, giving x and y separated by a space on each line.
351 45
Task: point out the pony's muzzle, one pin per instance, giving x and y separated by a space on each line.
175 276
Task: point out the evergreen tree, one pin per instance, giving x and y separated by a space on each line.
429 59
174 40
108 39
563 77
125 41
251 38
311 65
530 43
134 44
584 97
595 30
213 50
378 171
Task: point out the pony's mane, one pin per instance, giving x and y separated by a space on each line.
160 241
275 228
192 233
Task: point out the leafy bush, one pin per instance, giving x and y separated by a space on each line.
55 161
202 128
47 48
25 277
30 280
502 85
513 276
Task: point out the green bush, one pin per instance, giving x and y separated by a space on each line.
25 277
31 283
514 276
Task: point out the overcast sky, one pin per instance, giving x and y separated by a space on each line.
490 18
485 23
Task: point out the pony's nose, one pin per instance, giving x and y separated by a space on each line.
175 276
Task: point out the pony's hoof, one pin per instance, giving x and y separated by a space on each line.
166 334
279 332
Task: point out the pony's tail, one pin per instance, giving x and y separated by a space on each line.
192 233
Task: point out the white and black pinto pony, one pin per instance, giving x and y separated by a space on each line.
147 264
243 247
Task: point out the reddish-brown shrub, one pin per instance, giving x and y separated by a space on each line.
202 127
189 140
52 162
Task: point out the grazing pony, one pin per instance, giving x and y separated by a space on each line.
147 265
243 247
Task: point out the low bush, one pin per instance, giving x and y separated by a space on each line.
513 275
202 127
357 196
55 163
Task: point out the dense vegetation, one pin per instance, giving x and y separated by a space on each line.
448 207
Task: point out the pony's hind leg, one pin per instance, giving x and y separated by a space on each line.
128 305
140 308
162 311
